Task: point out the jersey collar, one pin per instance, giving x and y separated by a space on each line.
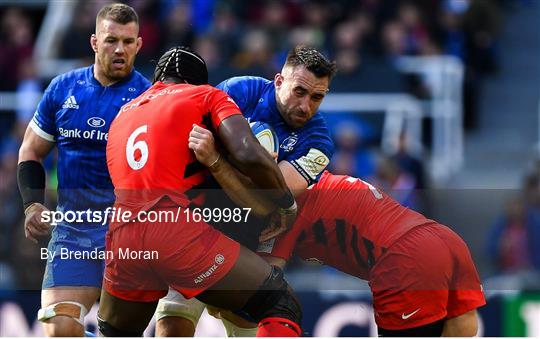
93 81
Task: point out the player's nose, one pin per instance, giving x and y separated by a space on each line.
304 106
119 48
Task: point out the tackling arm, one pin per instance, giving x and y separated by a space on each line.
239 188
252 159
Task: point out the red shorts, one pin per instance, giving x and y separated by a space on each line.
145 258
425 276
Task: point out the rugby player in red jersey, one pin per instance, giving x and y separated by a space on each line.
152 168
421 274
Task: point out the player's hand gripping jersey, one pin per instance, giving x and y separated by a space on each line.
308 149
148 154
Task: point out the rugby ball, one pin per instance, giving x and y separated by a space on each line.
266 135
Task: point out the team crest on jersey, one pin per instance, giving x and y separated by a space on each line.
96 122
289 142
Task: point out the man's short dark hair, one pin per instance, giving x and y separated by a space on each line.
120 13
313 60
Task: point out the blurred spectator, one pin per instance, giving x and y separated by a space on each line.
149 31
410 164
396 182
29 91
227 31
352 156
16 45
177 27
514 242
451 23
482 24
393 39
76 42
255 55
414 28
10 202
208 47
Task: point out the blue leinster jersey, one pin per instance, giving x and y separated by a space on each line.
75 113
308 149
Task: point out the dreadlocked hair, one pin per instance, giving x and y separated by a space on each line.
180 64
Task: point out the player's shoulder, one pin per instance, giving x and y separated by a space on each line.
316 131
244 83
72 78
332 181
317 122
140 80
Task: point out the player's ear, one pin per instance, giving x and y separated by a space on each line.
93 42
278 80
139 44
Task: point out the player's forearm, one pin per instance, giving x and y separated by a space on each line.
30 171
254 161
240 189
259 166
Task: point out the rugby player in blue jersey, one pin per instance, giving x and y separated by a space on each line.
290 105
74 115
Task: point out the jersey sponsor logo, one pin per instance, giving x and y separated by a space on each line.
266 246
313 163
70 103
83 134
407 316
289 142
96 122
218 259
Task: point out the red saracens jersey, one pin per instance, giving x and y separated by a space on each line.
147 151
345 223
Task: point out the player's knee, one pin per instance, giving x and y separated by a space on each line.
175 327
108 330
274 299
63 319
62 326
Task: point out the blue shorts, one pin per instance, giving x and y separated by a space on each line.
76 260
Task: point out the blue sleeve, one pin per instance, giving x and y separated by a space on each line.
312 154
44 122
245 91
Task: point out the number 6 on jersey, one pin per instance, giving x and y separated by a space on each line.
132 147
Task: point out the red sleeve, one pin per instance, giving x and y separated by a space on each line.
221 106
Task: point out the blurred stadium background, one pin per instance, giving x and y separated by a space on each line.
436 101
